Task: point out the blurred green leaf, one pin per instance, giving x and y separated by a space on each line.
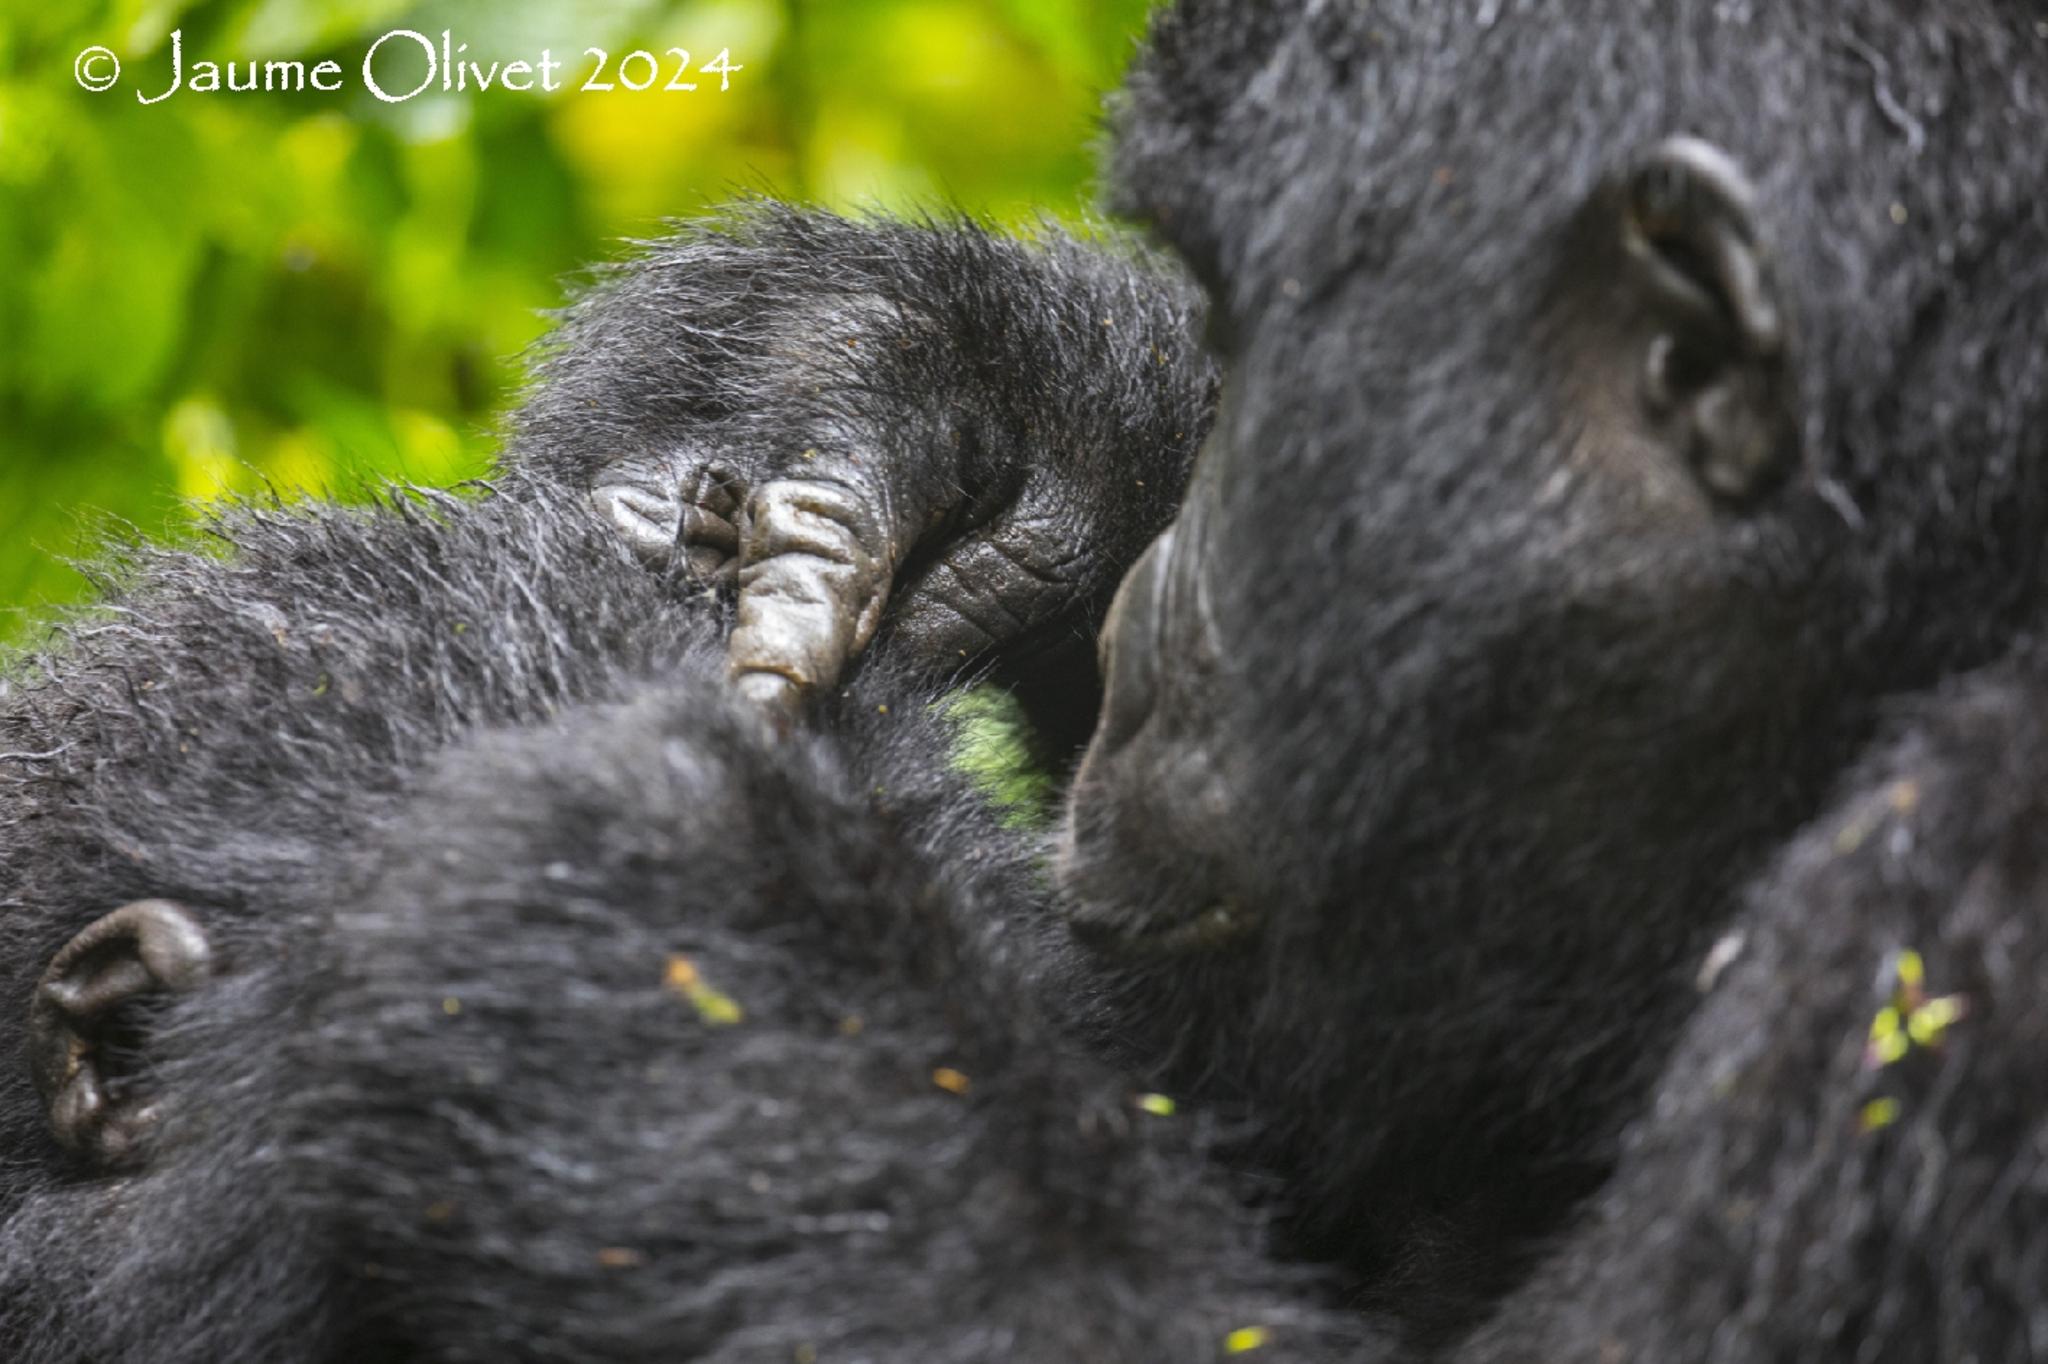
219 294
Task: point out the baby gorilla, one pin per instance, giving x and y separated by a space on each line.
488 986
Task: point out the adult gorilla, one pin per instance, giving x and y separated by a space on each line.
1619 406
1625 406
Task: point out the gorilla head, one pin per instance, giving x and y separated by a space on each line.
1621 404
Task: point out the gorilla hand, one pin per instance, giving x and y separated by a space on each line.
961 438
819 544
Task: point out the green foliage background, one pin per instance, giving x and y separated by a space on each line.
222 293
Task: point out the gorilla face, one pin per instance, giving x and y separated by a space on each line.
1477 668
1520 589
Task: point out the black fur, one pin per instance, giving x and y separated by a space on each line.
1487 715
1796 1192
453 792
1448 735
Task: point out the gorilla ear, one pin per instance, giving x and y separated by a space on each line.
1714 368
83 1029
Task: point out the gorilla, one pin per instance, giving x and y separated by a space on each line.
480 982
1545 834
1843 1157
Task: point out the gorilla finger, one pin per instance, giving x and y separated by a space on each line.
816 561
663 502
709 533
646 515
1016 576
